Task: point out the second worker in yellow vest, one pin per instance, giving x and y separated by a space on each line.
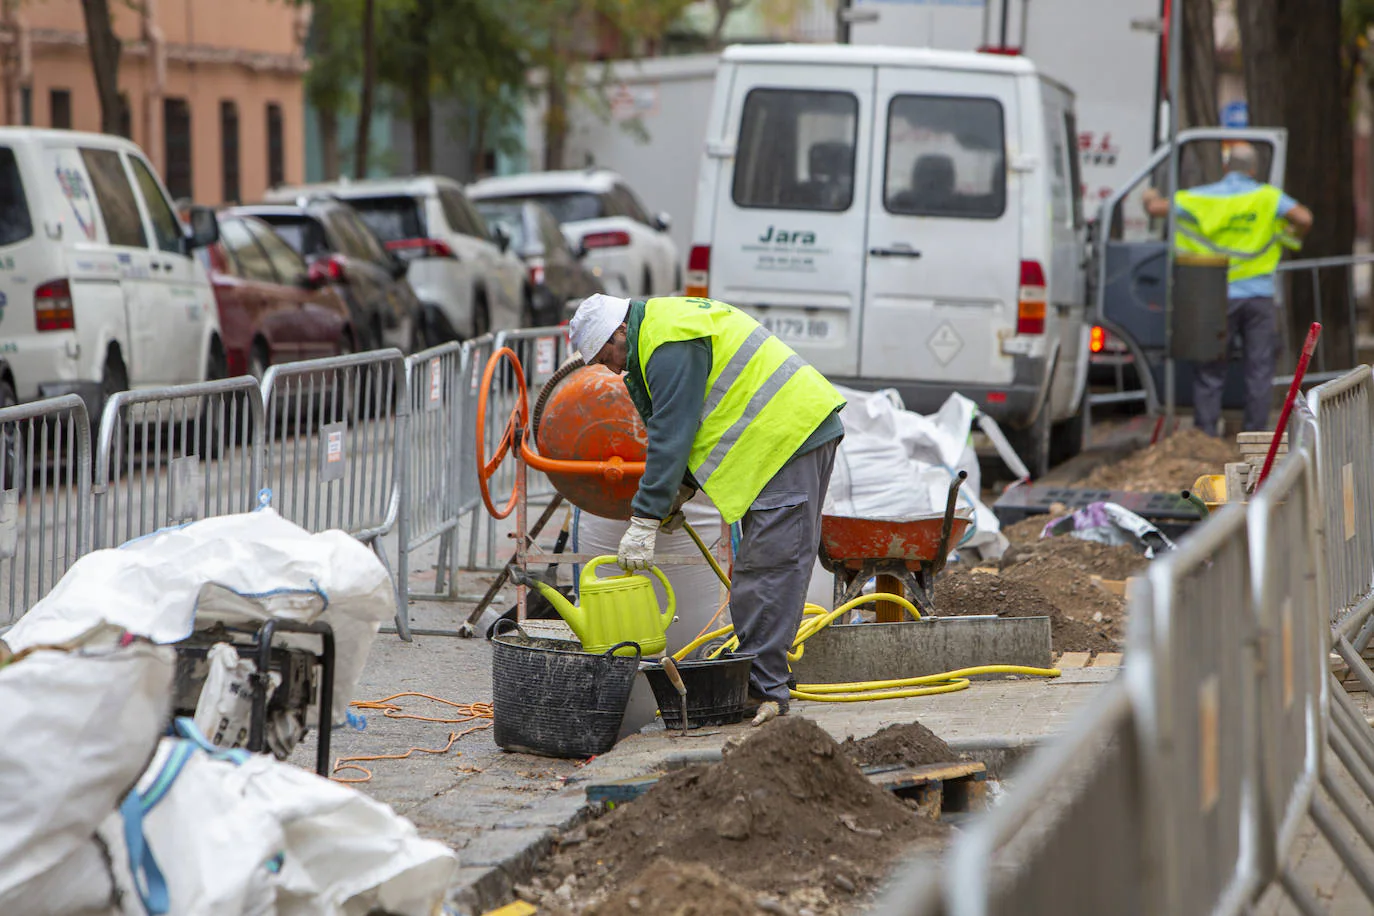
732 410
1250 224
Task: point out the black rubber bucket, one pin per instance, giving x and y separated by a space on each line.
558 702
717 691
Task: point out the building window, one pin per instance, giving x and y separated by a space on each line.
229 149
60 105
176 129
126 117
26 105
276 160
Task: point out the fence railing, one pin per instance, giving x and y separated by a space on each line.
166 456
45 500
1344 412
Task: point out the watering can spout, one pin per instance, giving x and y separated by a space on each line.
565 608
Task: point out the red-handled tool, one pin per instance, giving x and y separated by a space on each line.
1308 348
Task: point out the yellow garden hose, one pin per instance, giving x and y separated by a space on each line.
816 618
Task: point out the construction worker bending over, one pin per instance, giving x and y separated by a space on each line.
732 410
1247 222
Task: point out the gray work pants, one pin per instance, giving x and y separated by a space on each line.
777 552
1255 321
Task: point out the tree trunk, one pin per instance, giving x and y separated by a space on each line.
104 47
421 113
1199 82
556 114
360 148
1298 83
329 145
478 138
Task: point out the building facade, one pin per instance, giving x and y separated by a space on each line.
212 90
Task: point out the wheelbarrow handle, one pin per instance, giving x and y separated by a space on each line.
947 523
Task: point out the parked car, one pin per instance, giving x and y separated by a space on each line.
385 311
467 279
558 278
272 307
600 213
99 291
908 219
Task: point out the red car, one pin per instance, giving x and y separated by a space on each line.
272 307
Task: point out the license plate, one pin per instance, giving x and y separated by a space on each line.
799 328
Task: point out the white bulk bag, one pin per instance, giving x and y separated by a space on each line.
235 568
79 727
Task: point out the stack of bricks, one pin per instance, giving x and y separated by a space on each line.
1242 476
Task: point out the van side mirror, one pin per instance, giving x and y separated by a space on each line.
204 230
502 237
662 222
581 251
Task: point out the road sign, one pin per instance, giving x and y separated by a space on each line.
1235 114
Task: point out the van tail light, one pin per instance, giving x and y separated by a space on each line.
52 306
594 240
536 275
699 271
408 249
1030 305
1097 339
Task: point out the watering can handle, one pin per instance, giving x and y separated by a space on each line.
667 615
589 571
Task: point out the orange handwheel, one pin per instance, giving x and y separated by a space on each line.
519 417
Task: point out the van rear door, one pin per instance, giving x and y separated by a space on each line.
788 235
943 259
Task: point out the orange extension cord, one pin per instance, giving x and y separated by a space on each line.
468 712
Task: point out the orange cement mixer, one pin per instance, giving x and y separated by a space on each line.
589 439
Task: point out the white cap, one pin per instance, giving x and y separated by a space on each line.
595 321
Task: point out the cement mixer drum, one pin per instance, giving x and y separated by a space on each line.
590 417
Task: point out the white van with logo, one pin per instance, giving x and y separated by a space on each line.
904 218
98 288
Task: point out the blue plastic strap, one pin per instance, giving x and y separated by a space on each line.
186 727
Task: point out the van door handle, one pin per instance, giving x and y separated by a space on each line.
903 252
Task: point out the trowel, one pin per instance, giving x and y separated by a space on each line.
675 678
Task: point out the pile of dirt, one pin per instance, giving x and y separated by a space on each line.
1171 464
670 888
910 744
1089 557
785 813
1028 530
1026 592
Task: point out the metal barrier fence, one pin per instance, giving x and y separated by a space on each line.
1067 839
171 455
1192 679
336 439
1344 411
45 471
479 350
541 351
1353 273
1290 601
434 462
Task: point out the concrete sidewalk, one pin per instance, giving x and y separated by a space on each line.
501 811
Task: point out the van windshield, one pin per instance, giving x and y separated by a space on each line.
796 150
15 223
945 157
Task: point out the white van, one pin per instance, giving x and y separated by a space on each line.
98 288
904 218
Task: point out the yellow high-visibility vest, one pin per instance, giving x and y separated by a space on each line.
762 399
1244 228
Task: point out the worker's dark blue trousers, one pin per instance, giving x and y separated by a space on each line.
1255 322
777 552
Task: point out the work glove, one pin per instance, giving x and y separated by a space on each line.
676 518
637 546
